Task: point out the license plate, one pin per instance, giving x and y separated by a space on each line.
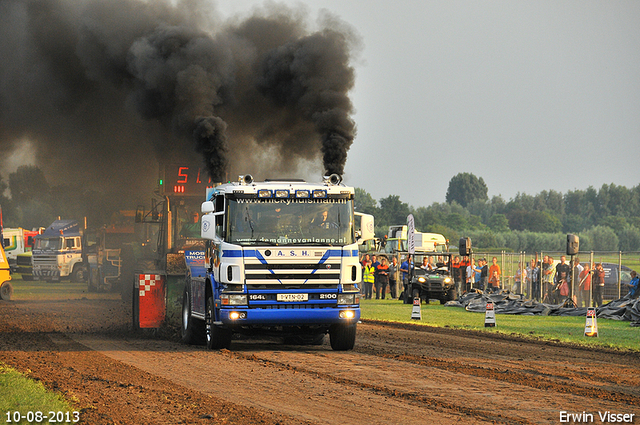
292 297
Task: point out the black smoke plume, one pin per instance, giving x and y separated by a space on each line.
107 89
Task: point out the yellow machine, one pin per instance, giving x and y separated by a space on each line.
6 290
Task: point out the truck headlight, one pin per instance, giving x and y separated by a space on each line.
233 299
422 280
348 299
447 280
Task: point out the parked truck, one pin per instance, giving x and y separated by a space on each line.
57 252
281 258
18 241
396 241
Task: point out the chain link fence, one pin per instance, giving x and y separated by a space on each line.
617 266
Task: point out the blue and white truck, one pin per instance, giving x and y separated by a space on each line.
57 252
281 258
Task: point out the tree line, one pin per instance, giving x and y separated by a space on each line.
606 219
32 202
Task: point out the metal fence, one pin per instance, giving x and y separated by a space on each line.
618 265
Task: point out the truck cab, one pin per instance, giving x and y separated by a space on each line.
57 253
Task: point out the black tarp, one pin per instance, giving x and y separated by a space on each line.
625 308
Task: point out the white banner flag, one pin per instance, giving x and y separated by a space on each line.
411 238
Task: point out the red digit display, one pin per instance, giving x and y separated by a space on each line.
181 180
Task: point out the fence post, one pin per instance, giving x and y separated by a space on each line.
540 276
619 274
591 289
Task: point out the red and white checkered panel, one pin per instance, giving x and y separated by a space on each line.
151 300
148 281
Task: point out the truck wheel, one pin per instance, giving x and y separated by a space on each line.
216 336
79 273
6 290
192 331
342 337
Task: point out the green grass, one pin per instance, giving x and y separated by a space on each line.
21 394
64 290
611 333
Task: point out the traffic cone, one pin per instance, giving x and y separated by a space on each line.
416 313
489 316
591 327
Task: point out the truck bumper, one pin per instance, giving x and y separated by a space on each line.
46 274
289 317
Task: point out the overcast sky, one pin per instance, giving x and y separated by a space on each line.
528 95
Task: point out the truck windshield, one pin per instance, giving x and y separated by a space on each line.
290 222
48 243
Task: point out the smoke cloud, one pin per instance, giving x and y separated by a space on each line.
104 90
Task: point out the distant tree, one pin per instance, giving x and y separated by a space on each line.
573 223
456 221
364 202
393 210
629 239
425 217
474 222
26 183
617 223
465 188
602 239
499 223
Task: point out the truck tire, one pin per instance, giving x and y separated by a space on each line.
6 290
79 273
192 330
342 337
216 336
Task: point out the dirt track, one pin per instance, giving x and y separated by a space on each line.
396 374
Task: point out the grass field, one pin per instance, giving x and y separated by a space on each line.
20 395
24 290
611 333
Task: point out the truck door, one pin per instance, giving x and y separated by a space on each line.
220 232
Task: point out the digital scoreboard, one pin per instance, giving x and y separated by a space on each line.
183 180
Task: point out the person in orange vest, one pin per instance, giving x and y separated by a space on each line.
494 275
